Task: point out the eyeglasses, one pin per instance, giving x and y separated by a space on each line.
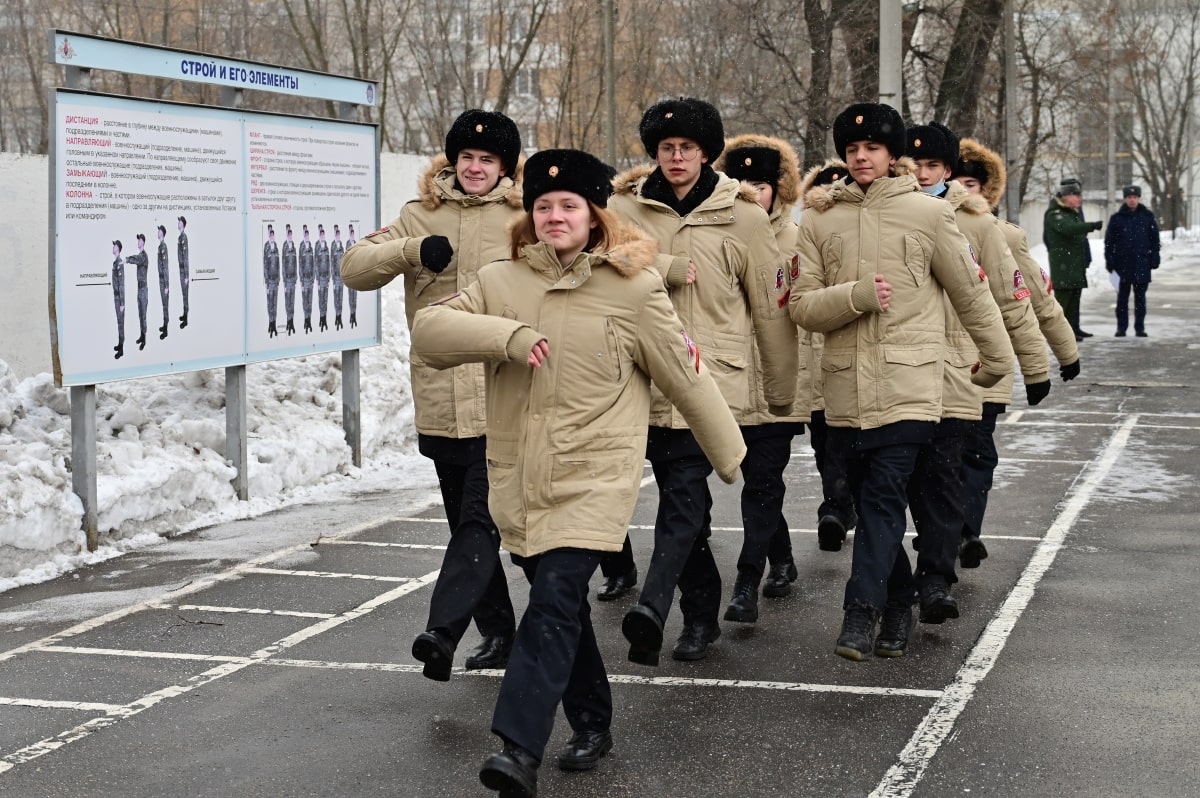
687 152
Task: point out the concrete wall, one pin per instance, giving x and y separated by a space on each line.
24 240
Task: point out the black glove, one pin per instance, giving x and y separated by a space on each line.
1070 371
1097 225
1037 391
435 253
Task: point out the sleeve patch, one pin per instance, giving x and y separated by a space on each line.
975 260
445 299
377 232
795 274
693 351
1019 289
783 299
780 280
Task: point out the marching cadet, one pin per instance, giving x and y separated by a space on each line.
726 279
290 274
307 276
574 327
836 515
321 252
771 168
875 256
336 251
437 244
271 278
142 261
118 287
935 490
164 281
185 273
981 171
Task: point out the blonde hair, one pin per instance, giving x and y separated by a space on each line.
603 236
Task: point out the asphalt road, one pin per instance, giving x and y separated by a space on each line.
281 668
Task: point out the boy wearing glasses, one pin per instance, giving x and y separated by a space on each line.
727 281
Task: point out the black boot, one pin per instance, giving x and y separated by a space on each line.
162 332
437 652
120 351
291 326
616 586
894 629
858 632
831 532
779 579
643 629
491 653
141 342
323 325
584 750
937 605
353 321
337 322
308 324
972 552
694 640
183 321
512 772
743 606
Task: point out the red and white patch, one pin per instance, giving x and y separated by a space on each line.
795 266
784 297
1019 289
780 280
974 259
1045 278
377 232
445 299
693 351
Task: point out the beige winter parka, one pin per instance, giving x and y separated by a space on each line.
567 441
787 192
1054 325
729 238
961 398
881 367
451 403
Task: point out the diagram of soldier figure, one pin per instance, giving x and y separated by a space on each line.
307 274
336 250
142 261
271 278
289 280
164 281
118 287
185 279
351 294
322 258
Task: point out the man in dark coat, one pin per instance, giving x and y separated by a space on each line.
185 276
164 281
141 261
308 275
289 280
1069 252
321 253
1131 247
271 278
118 287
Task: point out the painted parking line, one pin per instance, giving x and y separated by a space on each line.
902 777
38 703
328 575
121 652
381 545
247 611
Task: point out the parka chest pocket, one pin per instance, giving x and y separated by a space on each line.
831 258
423 281
733 258
620 360
915 258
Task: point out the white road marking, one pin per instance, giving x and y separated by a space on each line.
380 544
901 779
850 534
38 703
328 575
121 652
51 744
253 611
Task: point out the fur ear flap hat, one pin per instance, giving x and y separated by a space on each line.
869 122
934 140
566 170
753 164
489 131
685 117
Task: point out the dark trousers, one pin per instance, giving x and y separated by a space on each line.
935 494
878 475
272 301
979 463
1069 299
764 529
554 656
835 489
618 563
185 282
471 583
681 530
1139 306
306 292
289 300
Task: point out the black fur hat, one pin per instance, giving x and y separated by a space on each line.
974 169
869 122
934 140
489 131
755 164
566 170
685 117
830 175
1131 191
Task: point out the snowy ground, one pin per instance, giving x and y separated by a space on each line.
161 468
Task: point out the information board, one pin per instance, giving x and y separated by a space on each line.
189 237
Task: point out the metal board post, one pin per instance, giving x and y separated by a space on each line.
351 407
235 428
83 456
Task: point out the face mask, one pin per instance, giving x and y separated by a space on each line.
936 189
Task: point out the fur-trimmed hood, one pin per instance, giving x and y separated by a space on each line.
634 251
788 190
807 183
993 164
436 183
630 182
824 200
962 200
